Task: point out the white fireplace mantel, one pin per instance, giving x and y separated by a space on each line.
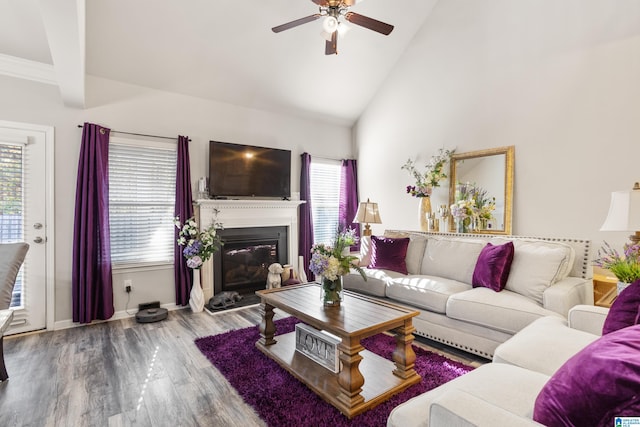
248 213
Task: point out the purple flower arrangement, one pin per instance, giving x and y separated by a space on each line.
199 246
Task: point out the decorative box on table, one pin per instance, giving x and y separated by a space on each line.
319 346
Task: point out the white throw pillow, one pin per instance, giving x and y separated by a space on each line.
451 258
537 265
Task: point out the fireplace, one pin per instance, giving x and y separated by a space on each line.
251 214
242 263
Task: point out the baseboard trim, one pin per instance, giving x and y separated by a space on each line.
118 315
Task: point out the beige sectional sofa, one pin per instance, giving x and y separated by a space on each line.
504 392
548 276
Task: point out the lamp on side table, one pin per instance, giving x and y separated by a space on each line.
367 213
624 213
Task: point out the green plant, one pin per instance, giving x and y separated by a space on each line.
626 266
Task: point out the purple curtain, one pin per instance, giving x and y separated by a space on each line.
91 281
305 232
183 210
349 197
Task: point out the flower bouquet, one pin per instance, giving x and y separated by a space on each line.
331 262
626 266
199 246
473 204
432 175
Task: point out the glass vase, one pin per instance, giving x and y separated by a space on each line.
462 225
331 292
425 208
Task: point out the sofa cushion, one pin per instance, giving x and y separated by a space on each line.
376 283
427 292
365 251
543 346
493 266
508 387
536 266
625 310
451 258
389 254
504 311
595 386
415 250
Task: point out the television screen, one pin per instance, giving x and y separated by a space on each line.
246 171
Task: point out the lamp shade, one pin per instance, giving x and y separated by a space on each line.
624 211
368 213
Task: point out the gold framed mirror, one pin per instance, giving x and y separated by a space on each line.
490 172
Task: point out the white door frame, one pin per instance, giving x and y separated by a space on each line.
49 135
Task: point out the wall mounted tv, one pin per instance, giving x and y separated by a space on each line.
237 170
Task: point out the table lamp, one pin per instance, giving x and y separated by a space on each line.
624 213
367 213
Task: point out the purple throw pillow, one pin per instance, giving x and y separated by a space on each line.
493 266
625 310
600 383
389 254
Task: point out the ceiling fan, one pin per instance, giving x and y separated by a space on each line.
335 11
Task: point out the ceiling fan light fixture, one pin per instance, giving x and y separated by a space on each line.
330 24
343 29
325 35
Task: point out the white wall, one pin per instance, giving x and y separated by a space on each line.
559 79
135 109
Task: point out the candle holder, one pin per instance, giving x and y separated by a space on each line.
444 213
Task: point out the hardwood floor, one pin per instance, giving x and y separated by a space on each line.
123 373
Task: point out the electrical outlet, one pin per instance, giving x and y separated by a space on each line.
128 285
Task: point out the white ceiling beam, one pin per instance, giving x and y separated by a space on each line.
25 69
64 22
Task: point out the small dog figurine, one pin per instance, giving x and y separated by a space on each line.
273 278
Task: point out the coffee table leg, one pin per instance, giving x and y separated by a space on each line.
350 378
267 327
403 355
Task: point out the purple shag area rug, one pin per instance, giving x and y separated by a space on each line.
282 400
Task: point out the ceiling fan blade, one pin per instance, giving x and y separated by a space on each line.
322 3
369 23
331 47
295 23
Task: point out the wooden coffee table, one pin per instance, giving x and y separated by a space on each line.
365 379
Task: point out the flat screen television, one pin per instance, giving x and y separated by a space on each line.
237 170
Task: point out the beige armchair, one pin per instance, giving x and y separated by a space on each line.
11 258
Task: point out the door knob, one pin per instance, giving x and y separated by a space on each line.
38 240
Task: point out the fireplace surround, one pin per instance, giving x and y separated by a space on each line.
247 214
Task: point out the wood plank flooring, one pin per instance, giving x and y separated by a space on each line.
123 373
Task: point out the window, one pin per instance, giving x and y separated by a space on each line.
142 181
324 179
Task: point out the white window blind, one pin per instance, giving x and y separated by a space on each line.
12 164
142 178
324 179
11 192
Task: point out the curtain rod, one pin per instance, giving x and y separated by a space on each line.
143 134
325 158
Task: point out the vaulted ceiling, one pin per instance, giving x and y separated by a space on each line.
213 49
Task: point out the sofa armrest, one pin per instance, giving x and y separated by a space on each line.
566 293
455 408
588 318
